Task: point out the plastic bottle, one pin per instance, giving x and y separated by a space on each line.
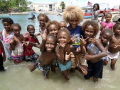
92 48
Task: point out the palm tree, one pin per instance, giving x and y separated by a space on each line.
63 5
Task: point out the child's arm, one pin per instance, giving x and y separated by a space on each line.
4 56
96 58
13 43
60 53
101 27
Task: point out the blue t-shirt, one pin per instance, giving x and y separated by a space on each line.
76 34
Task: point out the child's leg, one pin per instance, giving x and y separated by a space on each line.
46 70
82 69
113 61
53 68
31 67
105 62
53 65
1 63
65 74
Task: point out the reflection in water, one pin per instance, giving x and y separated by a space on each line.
18 77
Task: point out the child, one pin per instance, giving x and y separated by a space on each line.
16 44
29 53
95 12
74 15
47 48
53 27
2 58
63 52
95 50
107 24
63 24
105 38
43 19
7 34
114 46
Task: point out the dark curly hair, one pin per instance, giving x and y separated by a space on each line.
92 23
45 16
16 25
8 20
66 31
115 26
29 26
52 22
97 6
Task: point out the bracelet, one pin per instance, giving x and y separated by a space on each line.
29 42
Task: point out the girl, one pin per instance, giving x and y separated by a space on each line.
16 44
7 34
43 19
95 12
53 27
74 15
63 52
95 50
107 24
2 58
29 53
47 49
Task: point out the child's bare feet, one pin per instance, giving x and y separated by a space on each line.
95 80
31 67
112 67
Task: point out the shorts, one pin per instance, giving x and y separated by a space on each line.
94 69
113 56
64 67
106 58
17 58
33 57
45 69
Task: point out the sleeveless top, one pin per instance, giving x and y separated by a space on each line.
6 43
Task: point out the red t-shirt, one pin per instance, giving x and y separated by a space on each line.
0 51
28 51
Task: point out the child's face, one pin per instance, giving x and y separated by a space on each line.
42 21
108 17
73 22
96 7
117 30
50 44
31 30
7 26
53 30
89 31
16 30
63 38
105 38
63 25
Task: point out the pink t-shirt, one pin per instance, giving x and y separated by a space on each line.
108 25
28 51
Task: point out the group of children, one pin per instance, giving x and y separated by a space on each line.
69 48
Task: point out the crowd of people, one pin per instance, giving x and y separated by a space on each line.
70 48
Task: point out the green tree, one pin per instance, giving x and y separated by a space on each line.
63 5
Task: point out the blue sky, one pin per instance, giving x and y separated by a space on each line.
82 2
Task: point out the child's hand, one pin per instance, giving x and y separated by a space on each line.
4 58
68 56
44 35
88 57
83 41
78 49
26 43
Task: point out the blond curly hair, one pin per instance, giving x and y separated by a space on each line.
73 12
